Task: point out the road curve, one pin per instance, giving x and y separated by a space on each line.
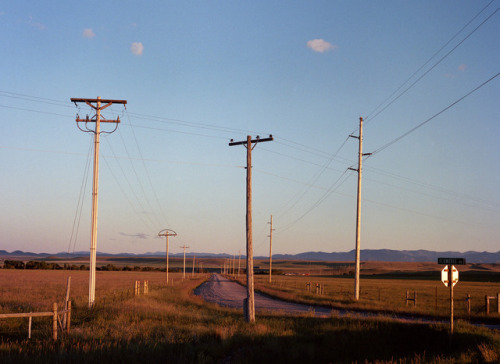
230 294
227 293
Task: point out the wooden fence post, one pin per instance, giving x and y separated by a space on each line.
468 303
54 322
414 299
68 288
68 317
487 303
29 327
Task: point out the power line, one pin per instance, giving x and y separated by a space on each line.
131 188
191 124
117 181
435 64
323 197
148 202
147 173
454 195
300 194
79 205
35 99
37 111
387 145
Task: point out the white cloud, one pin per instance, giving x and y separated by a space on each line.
320 45
88 33
137 48
462 67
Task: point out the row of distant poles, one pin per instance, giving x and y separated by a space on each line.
100 104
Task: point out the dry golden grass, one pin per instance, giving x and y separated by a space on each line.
383 294
170 324
36 290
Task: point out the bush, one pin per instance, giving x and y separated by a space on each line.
13 264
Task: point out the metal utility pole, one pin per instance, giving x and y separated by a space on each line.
250 300
184 267
167 233
358 213
95 186
271 249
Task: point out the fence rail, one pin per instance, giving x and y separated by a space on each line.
54 314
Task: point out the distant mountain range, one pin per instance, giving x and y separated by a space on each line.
382 255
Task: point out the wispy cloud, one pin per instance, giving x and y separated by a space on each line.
88 33
36 24
136 235
320 45
137 48
462 67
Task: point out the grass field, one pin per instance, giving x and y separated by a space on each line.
170 324
433 298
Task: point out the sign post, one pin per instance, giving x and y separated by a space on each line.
449 276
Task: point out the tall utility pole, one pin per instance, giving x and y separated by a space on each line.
184 267
358 213
95 186
167 233
250 300
271 249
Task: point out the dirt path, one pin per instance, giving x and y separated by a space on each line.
230 294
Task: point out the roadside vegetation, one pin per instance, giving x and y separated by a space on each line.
171 324
384 295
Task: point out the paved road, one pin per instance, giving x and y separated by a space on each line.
230 294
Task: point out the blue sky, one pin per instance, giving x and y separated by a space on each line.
197 74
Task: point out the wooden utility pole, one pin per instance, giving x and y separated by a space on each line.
250 300
271 249
184 266
95 186
167 233
358 213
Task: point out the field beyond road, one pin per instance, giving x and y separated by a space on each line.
172 324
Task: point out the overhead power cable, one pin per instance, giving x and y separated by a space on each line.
79 206
370 118
323 197
39 99
165 221
387 145
152 226
300 194
140 216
